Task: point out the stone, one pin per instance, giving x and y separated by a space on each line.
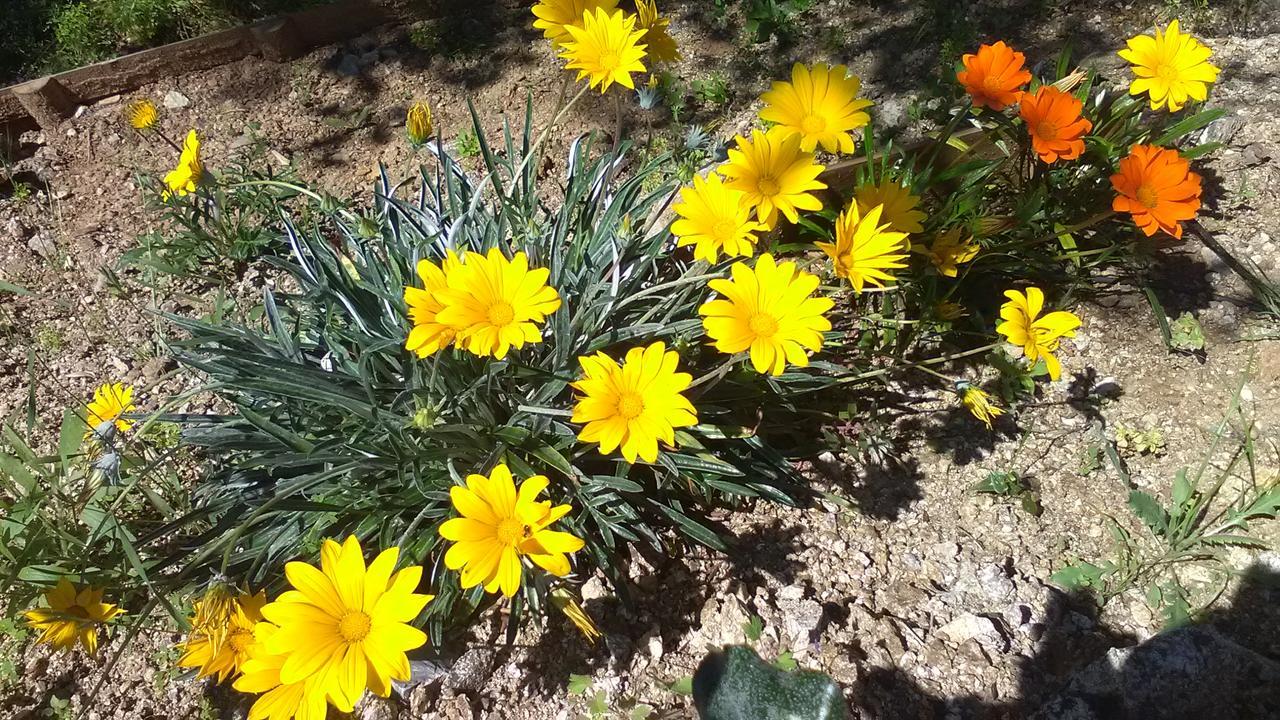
1185 674
972 627
44 246
472 670
175 100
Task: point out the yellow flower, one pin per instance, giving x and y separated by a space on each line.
1038 336
302 700
900 206
978 402
141 114
110 401
769 311
429 335
1170 67
345 625
500 524
71 615
572 609
417 123
820 104
634 405
553 15
662 47
494 303
714 219
219 642
606 49
948 251
184 178
865 248
775 175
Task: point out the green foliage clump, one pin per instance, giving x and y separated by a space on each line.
338 429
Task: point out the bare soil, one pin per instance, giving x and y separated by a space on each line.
923 599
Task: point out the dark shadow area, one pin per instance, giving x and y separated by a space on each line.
1225 668
1180 281
766 550
22 184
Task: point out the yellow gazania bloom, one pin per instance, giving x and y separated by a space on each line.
865 248
978 402
71 616
429 335
820 104
769 311
775 175
141 114
417 123
346 625
900 205
606 49
494 303
662 47
302 700
184 178
110 401
554 15
1170 67
634 405
1038 336
220 645
714 219
948 251
572 609
500 524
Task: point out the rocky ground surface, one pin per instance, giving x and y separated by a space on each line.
921 597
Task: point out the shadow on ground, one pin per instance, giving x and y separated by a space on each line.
1226 668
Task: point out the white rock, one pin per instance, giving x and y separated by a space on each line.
175 100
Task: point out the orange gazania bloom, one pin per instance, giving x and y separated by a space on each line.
994 76
1157 187
1054 121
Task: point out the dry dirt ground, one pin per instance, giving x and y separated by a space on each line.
923 599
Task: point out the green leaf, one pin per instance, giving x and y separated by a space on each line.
1078 576
753 628
682 686
1149 510
9 287
71 434
1182 490
579 684
1186 334
786 662
1188 125
641 712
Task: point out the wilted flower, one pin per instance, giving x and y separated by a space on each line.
900 208
978 402
661 46
221 633
572 609
948 251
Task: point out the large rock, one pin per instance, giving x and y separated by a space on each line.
1194 673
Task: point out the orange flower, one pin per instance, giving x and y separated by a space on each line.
994 76
1053 119
1157 187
